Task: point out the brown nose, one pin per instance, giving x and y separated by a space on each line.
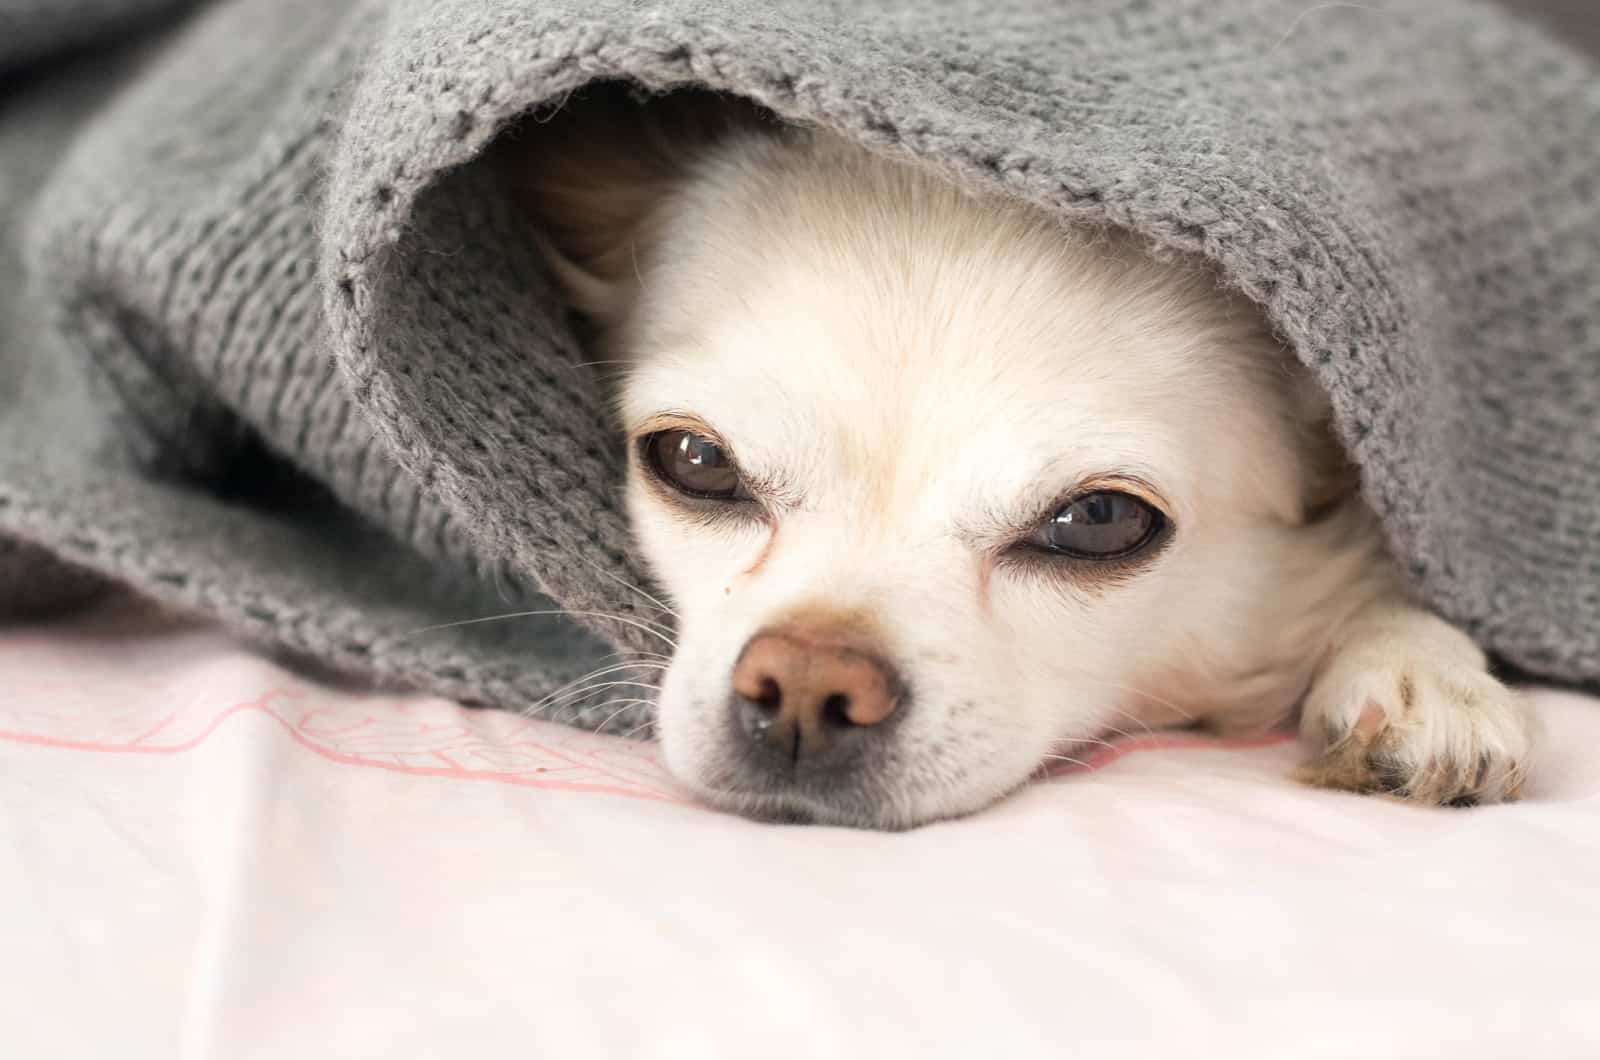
799 692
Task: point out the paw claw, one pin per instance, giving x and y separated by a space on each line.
1400 717
1371 722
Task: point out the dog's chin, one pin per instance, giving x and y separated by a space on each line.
793 808
868 806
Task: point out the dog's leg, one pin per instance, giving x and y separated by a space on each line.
1405 706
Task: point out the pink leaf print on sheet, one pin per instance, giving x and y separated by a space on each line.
133 683
127 680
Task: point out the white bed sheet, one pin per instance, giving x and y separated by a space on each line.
203 855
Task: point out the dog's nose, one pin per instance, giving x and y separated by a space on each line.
801 696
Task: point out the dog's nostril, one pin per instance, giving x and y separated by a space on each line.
769 695
836 711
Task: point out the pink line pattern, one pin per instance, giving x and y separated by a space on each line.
157 693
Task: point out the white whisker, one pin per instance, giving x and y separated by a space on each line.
640 624
657 656
1126 735
1314 9
1132 690
593 364
622 705
645 724
1090 740
629 586
603 671
554 700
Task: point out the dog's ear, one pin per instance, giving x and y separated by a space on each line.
1330 478
593 178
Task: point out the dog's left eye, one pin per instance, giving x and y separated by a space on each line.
694 465
1106 524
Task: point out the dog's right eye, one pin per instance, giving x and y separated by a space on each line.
693 465
1103 525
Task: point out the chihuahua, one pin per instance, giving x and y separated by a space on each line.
939 487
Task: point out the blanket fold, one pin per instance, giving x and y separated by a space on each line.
284 353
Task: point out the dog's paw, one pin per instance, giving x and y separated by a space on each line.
1406 707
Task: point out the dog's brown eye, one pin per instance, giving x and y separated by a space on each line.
1101 525
693 464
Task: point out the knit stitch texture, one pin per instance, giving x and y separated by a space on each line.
275 347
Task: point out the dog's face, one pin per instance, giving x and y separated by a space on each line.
936 488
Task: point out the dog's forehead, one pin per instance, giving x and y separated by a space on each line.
907 340
976 388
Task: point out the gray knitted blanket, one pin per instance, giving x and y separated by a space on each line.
273 346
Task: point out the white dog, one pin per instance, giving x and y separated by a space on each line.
938 487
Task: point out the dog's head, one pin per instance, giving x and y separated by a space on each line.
935 486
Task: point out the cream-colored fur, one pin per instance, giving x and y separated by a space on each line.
908 370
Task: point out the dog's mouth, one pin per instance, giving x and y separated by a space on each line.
875 800
773 800
798 808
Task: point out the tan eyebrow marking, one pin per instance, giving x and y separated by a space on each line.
766 551
1123 482
986 562
676 421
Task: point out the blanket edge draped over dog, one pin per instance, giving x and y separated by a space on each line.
284 353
